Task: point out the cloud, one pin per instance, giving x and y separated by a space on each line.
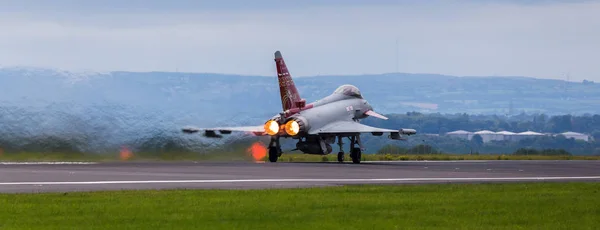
546 39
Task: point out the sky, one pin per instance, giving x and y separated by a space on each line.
543 39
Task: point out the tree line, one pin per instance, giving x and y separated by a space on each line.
165 143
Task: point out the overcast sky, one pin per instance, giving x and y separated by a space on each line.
545 39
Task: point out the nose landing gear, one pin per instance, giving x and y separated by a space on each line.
355 153
340 156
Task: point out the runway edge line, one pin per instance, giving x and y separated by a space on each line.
302 180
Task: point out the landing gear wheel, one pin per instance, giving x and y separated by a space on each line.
274 153
341 157
356 155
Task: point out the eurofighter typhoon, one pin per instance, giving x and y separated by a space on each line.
316 126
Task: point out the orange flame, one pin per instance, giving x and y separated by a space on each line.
258 151
125 154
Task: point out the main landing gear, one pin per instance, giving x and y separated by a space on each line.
355 152
274 149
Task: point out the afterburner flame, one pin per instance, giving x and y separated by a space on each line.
258 151
292 127
271 127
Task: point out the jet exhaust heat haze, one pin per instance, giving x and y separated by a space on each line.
316 126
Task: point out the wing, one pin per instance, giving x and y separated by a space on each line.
212 132
351 127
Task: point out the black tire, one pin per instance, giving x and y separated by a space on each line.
273 154
356 155
341 157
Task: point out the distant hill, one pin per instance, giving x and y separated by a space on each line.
128 106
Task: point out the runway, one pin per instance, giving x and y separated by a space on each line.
72 176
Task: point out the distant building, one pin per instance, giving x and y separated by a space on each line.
460 134
488 136
576 136
525 135
506 135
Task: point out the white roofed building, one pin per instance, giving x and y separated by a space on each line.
576 136
506 135
488 136
525 135
461 134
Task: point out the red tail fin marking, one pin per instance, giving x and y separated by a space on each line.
290 98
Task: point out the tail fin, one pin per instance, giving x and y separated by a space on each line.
289 94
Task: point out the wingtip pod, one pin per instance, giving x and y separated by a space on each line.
408 131
398 135
278 54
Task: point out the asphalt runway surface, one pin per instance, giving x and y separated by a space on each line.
62 177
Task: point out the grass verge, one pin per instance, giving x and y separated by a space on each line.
464 206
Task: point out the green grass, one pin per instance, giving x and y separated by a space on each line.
241 155
441 206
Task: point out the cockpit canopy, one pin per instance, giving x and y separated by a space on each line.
348 90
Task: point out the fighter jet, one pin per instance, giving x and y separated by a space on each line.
317 125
